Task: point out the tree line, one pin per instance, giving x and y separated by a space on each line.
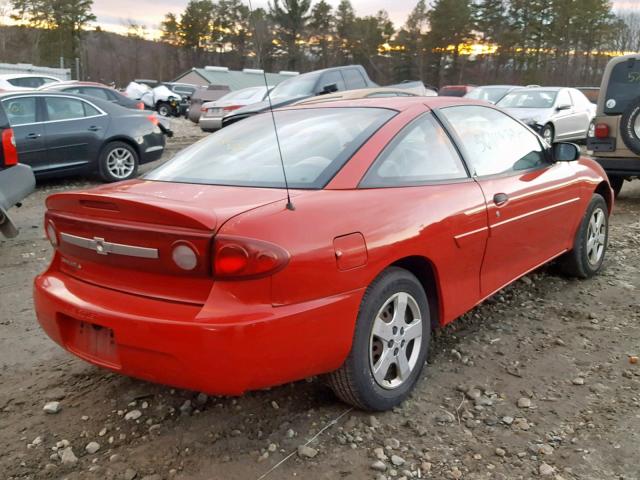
440 42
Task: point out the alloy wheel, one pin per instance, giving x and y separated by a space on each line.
120 163
596 236
395 342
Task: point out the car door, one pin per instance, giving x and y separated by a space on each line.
74 129
584 110
566 117
531 202
425 178
25 119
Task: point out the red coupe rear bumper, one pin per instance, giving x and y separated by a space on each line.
164 342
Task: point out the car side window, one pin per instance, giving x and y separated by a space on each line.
20 111
421 153
494 142
353 78
330 78
95 92
61 108
564 98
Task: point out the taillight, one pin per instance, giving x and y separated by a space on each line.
52 234
231 108
9 148
601 130
243 258
153 119
203 109
140 106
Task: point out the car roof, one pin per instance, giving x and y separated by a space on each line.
355 94
543 89
11 76
394 103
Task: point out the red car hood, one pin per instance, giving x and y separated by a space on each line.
202 207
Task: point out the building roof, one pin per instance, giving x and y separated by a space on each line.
237 80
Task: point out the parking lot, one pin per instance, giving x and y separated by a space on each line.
537 381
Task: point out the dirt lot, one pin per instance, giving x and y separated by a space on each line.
536 382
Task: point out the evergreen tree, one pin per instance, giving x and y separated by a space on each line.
291 19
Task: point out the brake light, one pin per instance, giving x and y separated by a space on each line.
238 258
140 106
601 130
203 109
231 108
9 148
153 119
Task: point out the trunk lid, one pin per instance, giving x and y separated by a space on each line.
122 236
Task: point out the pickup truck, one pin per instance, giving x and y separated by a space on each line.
318 82
16 180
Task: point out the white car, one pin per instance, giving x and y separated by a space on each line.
27 81
212 112
556 113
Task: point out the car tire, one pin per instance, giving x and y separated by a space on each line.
164 109
627 126
358 382
118 161
548 133
616 183
590 245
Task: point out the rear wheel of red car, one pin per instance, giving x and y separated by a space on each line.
590 245
390 343
118 161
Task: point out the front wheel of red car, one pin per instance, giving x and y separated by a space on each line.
591 241
390 343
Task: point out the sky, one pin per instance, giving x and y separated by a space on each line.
115 14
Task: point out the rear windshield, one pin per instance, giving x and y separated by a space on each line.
315 144
452 91
488 94
624 87
529 99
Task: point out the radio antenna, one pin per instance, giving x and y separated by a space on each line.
273 116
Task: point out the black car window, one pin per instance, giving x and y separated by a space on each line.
354 79
20 111
90 110
421 153
494 142
331 78
61 108
27 82
95 92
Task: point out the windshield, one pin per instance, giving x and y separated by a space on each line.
243 94
529 99
624 87
295 87
488 94
315 144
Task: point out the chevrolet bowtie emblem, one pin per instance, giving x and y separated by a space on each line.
102 247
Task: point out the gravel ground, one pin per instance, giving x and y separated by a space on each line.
536 382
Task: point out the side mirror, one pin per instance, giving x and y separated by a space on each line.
563 106
330 88
565 152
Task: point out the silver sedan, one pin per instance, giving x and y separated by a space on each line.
557 113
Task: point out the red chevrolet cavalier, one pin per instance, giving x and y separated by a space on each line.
405 213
